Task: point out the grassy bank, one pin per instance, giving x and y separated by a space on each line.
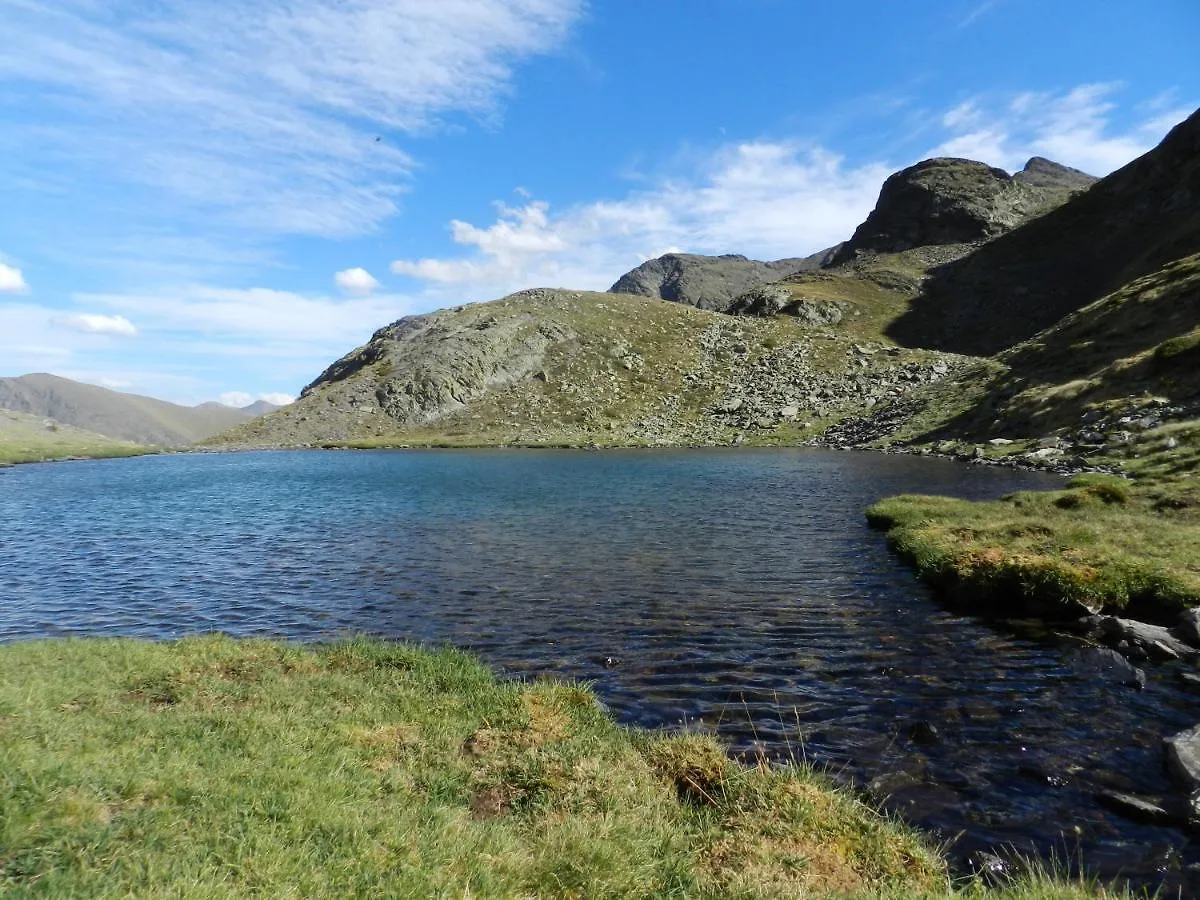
211 767
1104 542
27 439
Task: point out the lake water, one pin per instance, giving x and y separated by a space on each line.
736 591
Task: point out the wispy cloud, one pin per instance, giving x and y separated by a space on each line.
977 12
194 339
263 114
766 199
1075 127
92 323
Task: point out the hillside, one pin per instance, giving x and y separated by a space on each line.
564 367
25 438
124 417
1127 225
1100 385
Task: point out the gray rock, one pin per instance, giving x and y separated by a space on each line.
1183 757
1111 664
1187 628
956 201
709 282
1152 641
1000 442
1143 809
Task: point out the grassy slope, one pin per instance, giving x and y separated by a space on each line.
1141 341
684 362
214 768
127 417
1135 350
25 438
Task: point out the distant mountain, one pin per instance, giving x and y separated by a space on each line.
710 282
125 417
260 408
28 438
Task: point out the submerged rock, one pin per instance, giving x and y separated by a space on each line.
1152 811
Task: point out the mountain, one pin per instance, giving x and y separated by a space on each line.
919 329
959 201
1127 225
125 417
28 438
557 367
709 282
259 408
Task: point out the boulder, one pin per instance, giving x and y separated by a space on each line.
710 282
1148 641
1183 757
1187 629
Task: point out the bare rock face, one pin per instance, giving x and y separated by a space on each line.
425 367
959 201
710 282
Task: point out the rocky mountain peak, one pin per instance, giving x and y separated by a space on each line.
1045 173
947 200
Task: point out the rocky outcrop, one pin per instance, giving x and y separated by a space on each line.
710 282
777 299
958 201
425 367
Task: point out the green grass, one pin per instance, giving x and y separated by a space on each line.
214 768
28 439
1104 543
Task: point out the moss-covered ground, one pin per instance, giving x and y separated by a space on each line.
1103 542
214 768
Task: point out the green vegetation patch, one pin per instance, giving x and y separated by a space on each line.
211 767
1103 543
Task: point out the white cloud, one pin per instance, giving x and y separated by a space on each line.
265 114
12 281
1073 127
278 399
235 399
92 323
765 199
356 282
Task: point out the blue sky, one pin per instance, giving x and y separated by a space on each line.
217 198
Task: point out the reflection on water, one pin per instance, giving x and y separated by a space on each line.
736 591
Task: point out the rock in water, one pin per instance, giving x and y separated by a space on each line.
1183 757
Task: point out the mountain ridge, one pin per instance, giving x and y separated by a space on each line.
115 414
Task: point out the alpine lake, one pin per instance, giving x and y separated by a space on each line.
738 592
